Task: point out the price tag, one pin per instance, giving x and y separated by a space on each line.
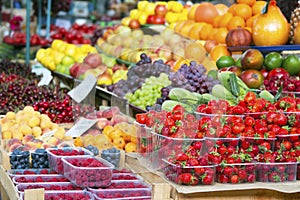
80 127
63 23
82 90
47 135
47 77
34 194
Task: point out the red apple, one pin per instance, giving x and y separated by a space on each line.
56 35
150 19
134 23
160 10
158 20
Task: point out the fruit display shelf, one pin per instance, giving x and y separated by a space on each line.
266 49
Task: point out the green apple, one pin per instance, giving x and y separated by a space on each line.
67 60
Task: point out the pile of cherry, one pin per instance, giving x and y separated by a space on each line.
255 140
19 88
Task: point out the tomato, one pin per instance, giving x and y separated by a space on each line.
278 72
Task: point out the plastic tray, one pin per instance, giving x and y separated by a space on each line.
88 176
30 172
173 173
63 195
277 172
55 161
47 186
18 179
230 173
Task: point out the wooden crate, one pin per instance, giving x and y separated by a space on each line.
256 191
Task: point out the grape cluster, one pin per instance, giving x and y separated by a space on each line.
97 34
56 6
291 84
149 92
137 74
193 78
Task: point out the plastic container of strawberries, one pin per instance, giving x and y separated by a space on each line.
163 146
71 194
30 172
18 179
55 161
236 173
88 176
200 115
127 193
144 138
47 186
292 140
276 172
205 175
257 144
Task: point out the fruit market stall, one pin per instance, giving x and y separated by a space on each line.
195 107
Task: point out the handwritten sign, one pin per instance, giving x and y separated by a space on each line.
80 127
81 91
47 77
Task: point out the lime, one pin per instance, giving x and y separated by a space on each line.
292 64
273 60
225 61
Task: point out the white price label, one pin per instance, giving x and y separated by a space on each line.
47 77
80 127
82 90
63 23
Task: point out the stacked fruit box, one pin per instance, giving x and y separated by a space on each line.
258 145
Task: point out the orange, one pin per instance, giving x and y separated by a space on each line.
243 10
209 45
220 35
205 12
205 31
225 19
179 25
195 30
216 21
186 27
257 7
232 8
235 22
195 51
192 10
248 2
249 21
218 51
221 8
212 34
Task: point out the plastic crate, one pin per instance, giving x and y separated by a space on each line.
18 179
205 175
55 161
88 176
236 173
277 172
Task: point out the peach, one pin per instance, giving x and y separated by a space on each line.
13 141
101 123
14 146
46 145
53 141
31 145
119 118
27 138
93 132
